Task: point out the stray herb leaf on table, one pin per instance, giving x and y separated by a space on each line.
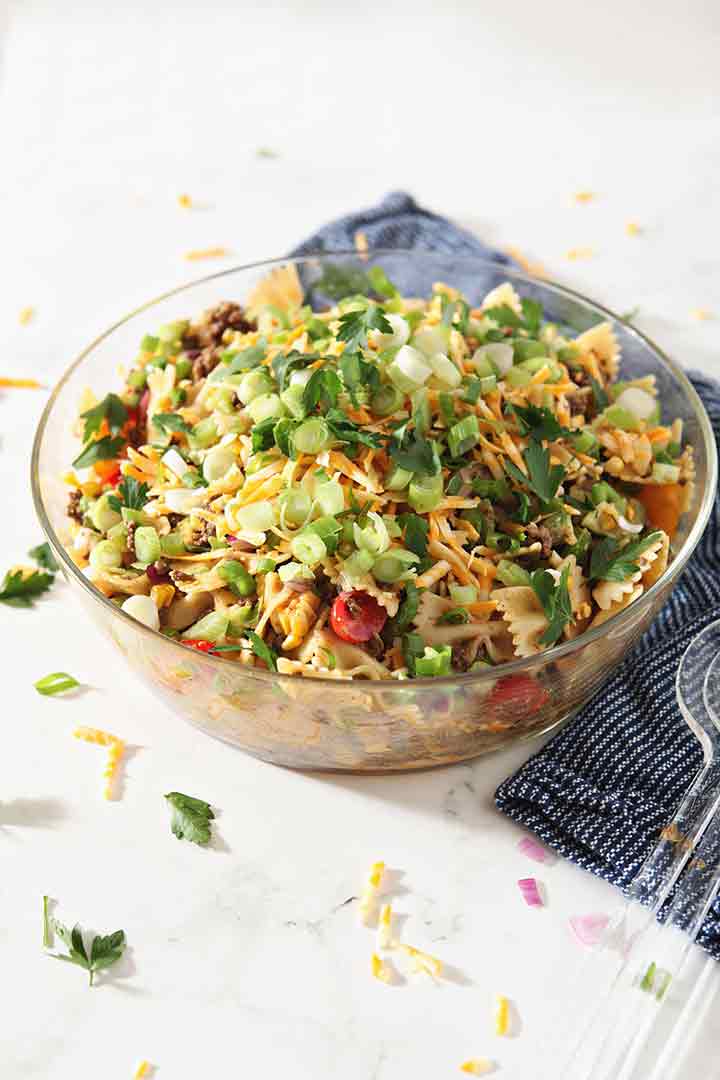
191 817
105 950
20 589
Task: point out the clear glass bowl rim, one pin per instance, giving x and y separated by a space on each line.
513 667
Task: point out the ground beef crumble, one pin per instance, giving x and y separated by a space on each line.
543 534
73 506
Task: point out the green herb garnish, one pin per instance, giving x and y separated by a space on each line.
415 530
105 950
542 479
323 387
190 817
611 562
112 409
455 617
555 600
104 449
356 325
20 591
171 422
539 423
416 454
44 557
262 651
56 683
131 493
600 397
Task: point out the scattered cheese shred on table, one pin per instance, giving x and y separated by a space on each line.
207 253
21 384
535 268
370 890
380 969
579 253
26 315
502 1015
185 201
423 962
361 242
476 1066
701 314
115 748
143 1070
632 228
384 931
584 196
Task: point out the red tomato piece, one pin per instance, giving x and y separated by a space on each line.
199 643
356 616
522 691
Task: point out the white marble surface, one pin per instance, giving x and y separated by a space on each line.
242 959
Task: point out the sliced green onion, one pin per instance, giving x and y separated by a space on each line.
204 434
409 370
393 565
493 359
234 573
253 384
309 548
293 571
292 399
374 537
256 517
433 340
147 544
665 474
388 400
312 436
584 441
172 544
447 407
102 514
241 616
472 391
137 379
265 566
330 498
183 367
118 534
649 977
149 343
510 574
525 349
603 492
446 373
211 627
265 406
434 662
218 462
621 418
106 556
425 493
172 331
328 529
422 417
397 478
516 377
56 683
391 524
358 564
488 383
295 505
463 435
463 594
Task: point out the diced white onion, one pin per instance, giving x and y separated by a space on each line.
174 462
499 355
627 526
182 500
400 333
144 609
637 401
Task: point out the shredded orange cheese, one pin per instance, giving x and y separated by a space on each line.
573 254
142 1070
380 969
361 242
632 228
115 749
582 197
701 314
502 1015
423 962
21 384
384 932
530 267
207 253
185 201
26 315
476 1066
370 890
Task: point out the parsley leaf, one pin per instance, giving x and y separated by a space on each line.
284 364
357 373
540 423
415 531
20 591
190 817
44 557
543 479
532 314
599 395
169 421
105 950
104 449
555 599
263 434
408 609
611 562
454 617
356 325
245 360
416 454
380 282
346 431
112 409
262 651
132 492
323 386
503 315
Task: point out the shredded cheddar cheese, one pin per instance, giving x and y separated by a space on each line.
573 254
700 314
26 315
582 197
502 1015
115 749
207 253
20 384
476 1066
384 930
143 1070
185 201
380 969
370 891
632 228
361 242
423 962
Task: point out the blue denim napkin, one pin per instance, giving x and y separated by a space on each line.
600 792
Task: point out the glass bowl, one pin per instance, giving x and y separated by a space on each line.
367 726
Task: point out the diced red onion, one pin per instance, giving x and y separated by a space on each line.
158 577
534 850
589 929
531 893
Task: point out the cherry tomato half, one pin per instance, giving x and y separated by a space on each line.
356 616
199 643
108 471
521 691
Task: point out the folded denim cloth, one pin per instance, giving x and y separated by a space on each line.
600 792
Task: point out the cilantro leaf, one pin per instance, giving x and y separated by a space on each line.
190 817
20 591
611 562
112 409
132 493
323 386
532 314
599 395
415 530
543 479
262 651
44 557
284 364
555 599
416 454
503 315
540 423
105 950
171 422
104 449
356 325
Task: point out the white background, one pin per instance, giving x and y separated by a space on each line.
239 963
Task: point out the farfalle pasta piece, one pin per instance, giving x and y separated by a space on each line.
601 343
652 572
503 295
523 614
350 661
607 593
580 598
430 608
623 602
389 600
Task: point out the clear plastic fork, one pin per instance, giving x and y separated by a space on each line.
638 966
